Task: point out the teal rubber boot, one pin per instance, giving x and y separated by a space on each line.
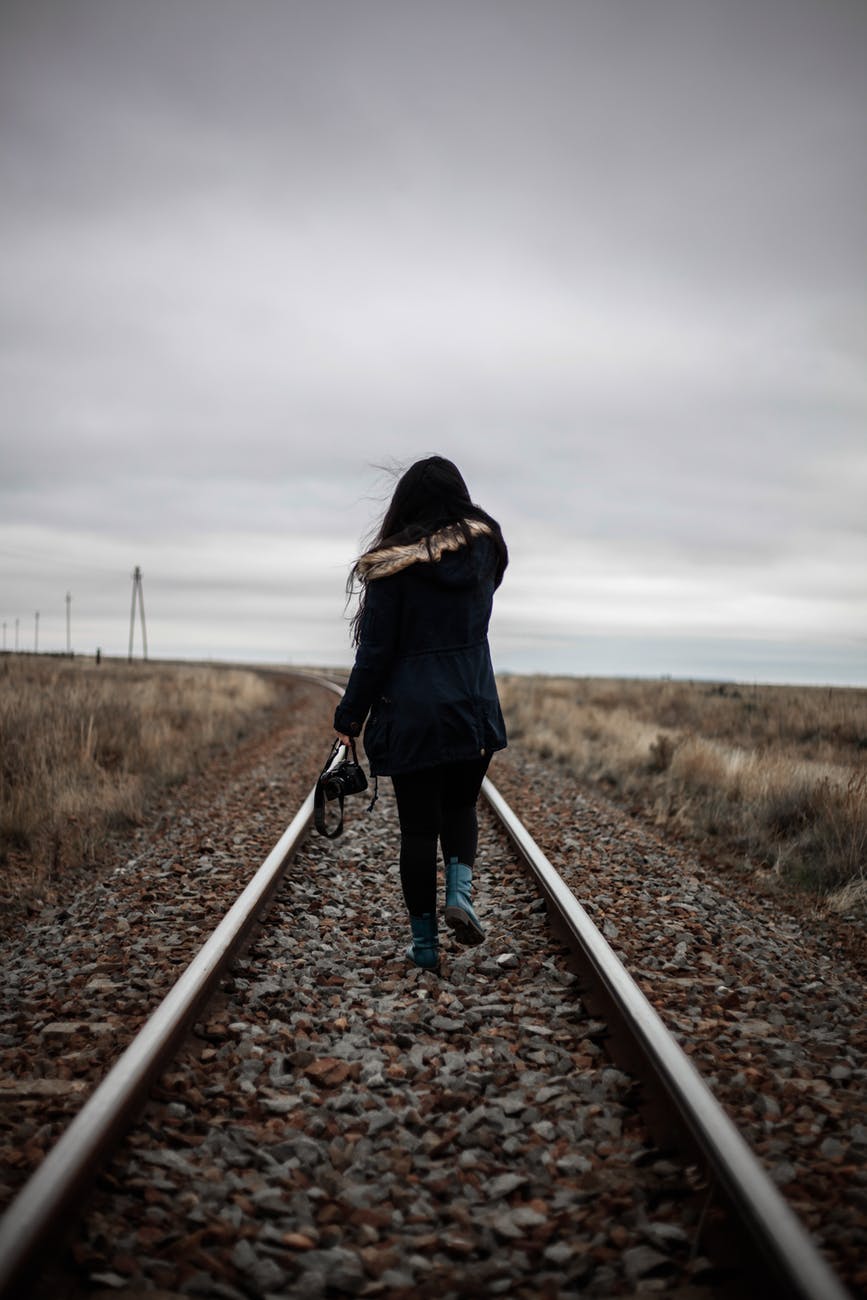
460 916
425 947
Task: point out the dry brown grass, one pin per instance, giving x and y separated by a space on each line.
83 749
776 774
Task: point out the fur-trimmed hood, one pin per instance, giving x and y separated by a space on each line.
391 559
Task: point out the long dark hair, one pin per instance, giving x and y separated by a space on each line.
429 496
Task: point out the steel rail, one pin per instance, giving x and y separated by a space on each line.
48 1200
778 1239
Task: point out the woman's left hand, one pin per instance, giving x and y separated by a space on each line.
344 739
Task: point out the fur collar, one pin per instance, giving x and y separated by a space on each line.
391 559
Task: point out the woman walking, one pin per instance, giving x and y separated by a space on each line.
423 680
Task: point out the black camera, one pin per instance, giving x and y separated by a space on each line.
346 777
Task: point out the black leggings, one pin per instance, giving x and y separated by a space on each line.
436 804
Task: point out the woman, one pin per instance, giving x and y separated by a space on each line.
423 674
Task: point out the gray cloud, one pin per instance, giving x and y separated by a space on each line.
608 259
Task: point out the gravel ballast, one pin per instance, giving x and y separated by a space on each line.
343 1123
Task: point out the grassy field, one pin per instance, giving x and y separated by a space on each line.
775 775
85 748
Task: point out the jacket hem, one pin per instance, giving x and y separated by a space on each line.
463 757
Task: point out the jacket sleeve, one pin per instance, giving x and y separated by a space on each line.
377 648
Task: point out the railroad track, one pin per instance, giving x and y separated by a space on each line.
724 1196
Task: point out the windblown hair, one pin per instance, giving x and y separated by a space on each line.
429 496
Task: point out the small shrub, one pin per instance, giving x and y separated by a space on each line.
788 812
700 765
661 753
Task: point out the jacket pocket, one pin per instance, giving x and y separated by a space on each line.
492 726
376 733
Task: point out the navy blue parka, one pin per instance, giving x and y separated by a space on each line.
423 669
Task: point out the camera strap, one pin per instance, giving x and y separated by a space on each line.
319 797
323 783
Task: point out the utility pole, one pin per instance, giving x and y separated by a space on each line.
137 590
17 621
36 635
4 636
68 636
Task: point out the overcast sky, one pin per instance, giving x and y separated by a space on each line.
608 255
